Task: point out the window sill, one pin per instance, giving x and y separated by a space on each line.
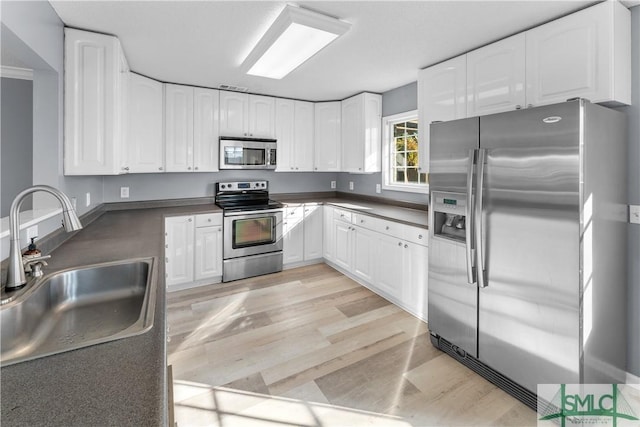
422 189
28 219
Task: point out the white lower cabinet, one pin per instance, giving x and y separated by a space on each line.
302 233
388 257
193 250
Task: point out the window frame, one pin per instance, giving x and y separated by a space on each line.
387 129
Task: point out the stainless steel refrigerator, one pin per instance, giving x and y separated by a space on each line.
527 251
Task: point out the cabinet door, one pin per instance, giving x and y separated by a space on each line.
372 133
364 253
234 113
262 122
327 138
389 272
145 151
313 231
442 96
179 239
93 103
352 134
179 127
342 244
328 234
303 136
208 252
496 77
285 125
580 55
293 234
415 279
206 129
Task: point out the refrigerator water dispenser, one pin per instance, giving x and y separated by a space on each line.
449 215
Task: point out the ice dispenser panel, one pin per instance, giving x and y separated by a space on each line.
449 215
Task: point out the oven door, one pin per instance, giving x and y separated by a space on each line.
252 232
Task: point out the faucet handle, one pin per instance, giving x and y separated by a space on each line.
33 266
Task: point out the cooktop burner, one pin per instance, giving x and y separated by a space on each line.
244 195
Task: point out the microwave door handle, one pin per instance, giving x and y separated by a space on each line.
469 238
480 270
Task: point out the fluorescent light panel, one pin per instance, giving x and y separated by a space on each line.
295 36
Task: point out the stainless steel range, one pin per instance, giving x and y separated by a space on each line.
252 229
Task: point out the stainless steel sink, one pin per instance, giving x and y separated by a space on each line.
77 308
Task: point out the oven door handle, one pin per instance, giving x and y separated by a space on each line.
253 213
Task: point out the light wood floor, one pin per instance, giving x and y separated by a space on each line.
311 347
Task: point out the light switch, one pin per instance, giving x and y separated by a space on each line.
124 192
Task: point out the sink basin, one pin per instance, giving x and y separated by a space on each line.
77 308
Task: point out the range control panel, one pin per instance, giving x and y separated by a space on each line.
242 186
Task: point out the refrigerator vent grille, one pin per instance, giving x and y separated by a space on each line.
514 389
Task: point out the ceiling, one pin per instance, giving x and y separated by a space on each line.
203 43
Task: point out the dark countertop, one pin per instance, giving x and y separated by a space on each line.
123 382
119 383
410 216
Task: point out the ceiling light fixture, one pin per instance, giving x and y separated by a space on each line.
295 36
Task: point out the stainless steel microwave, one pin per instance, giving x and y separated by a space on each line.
239 153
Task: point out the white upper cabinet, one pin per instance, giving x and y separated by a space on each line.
496 77
145 145
191 129
262 122
586 54
361 133
442 96
303 135
249 116
327 138
206 129
95 77
294 132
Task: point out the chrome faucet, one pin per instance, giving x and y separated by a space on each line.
16 277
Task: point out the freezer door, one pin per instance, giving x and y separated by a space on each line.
449 153
529 310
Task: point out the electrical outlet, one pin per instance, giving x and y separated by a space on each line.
88 202
333 185
32 232
74 202
634 214
378 188
350 185
124 192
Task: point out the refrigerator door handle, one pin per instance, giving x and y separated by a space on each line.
469 246
480 265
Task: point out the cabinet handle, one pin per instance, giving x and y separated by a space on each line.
341 215
406 246
209 220
315 169
359 169
219 228
166 260
160 168
166 246
196 168
399 243
126 168
188 168
291 167
419 236
362 221
529 105
387 227
518 107
189 219
296 168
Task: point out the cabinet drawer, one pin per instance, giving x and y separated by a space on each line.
366 221
294 211
390 228
415 235
342 214
206 220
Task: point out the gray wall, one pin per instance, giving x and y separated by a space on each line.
16 139
185 185
35 35
399 100
633 113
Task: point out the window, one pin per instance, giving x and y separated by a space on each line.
400 159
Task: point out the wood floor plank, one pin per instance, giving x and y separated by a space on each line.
242 350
